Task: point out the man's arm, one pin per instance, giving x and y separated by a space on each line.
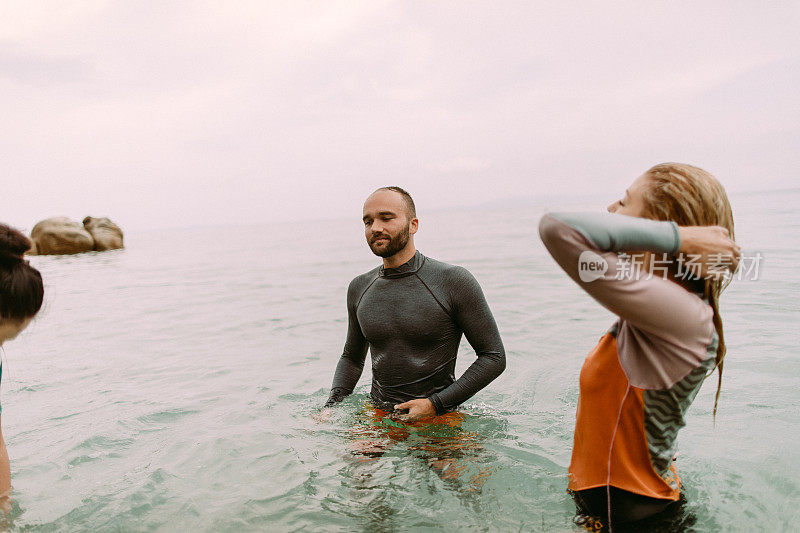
351 364
474 318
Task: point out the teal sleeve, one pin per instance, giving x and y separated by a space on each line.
617 233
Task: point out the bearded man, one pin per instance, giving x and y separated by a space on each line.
410 313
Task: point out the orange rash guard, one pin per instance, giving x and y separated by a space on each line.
610 417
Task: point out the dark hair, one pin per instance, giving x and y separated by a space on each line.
411 209
21 288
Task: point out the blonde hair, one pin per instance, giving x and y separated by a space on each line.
690 196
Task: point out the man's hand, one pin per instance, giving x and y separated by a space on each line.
712 247
417 409
323 415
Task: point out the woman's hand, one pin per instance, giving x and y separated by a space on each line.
417 409
708 251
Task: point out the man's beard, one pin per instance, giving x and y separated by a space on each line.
396 243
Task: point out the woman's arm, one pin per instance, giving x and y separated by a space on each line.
665 311
5 476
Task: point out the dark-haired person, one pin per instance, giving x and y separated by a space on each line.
638 382
410 312
21 294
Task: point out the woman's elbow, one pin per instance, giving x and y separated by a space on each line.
548 228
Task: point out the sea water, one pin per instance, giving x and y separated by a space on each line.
170 386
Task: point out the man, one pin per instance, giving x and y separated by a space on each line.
410 312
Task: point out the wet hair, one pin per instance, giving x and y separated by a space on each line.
411 209
21 288
690 196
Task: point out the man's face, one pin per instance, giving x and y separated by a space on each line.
386 223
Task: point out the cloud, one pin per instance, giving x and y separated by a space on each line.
177 110
461 165
35 69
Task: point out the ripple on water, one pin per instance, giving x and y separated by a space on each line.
34 388
98 448
168 416
102 443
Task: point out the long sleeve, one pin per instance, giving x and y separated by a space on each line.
474 318
351 363
671 328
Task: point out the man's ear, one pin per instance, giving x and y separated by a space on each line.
414 226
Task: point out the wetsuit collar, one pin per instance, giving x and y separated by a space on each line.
406 269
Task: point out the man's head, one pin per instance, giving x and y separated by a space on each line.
390 221
411 209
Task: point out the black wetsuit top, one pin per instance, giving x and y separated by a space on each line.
411 318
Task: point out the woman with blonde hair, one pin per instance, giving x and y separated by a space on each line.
658 260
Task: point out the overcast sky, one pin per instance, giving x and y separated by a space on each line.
163 114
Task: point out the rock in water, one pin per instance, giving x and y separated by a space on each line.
60 235
106 234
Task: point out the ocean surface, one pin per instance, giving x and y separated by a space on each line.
170 386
